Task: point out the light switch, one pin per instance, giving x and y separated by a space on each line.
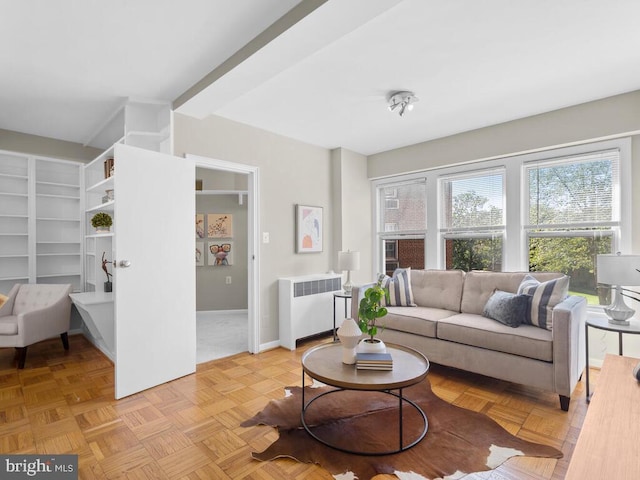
265 237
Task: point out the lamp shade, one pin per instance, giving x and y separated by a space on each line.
619 269
349 260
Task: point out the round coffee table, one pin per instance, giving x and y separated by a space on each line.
324 363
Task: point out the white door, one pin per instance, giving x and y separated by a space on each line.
155 322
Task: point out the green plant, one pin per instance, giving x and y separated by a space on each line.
371 309
101 219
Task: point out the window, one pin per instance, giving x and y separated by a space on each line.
407 210
552 210
402 224
391 204
573 215
472 220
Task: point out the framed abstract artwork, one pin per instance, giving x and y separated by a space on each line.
220 254
220 225
309 229
199 254
199 225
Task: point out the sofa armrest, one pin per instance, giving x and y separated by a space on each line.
357 293
569 318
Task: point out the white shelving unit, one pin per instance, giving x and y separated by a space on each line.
96 200
58 203
40 226
14 220
142 123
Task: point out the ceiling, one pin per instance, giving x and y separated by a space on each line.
322 73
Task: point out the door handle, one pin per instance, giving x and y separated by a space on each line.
124 263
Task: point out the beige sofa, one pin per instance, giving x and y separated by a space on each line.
448 327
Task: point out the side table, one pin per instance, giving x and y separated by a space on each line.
602 322
346 297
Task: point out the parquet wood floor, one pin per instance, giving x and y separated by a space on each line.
189 428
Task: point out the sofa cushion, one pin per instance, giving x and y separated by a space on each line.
479 331
544 296
480 285
438 288
399 286
419 320
507 308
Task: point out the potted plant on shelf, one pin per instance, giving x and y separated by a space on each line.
101 221
370 310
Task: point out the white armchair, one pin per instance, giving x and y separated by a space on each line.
32 313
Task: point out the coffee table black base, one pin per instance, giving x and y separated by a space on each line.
401 400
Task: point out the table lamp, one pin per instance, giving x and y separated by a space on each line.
348 261
618 270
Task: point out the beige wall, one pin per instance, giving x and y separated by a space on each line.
612 116
353 210
291 173
212 291
607 118
47 147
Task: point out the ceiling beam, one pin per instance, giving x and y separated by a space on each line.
304 30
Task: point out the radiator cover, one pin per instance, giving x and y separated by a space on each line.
306 306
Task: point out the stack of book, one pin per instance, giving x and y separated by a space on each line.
374 361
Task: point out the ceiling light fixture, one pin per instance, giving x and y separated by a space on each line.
403 100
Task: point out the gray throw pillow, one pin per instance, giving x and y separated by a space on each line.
508 308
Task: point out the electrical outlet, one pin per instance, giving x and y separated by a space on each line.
227 280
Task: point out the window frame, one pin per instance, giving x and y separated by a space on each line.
515 240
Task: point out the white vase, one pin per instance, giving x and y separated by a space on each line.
368 346
349 334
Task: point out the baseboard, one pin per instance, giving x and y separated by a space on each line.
222 312
99 344
269 346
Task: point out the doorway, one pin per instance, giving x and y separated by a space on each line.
244 190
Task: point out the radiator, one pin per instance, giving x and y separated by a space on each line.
306 306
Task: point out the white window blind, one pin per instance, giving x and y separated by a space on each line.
574 192
472 202
403 205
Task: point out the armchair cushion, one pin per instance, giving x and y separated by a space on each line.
34 312
9 325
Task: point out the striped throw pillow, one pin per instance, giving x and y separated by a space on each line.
400 293
544 296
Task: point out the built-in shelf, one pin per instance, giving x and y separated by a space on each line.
100 235
103 206
40 220
105 184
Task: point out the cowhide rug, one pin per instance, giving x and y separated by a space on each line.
458 441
